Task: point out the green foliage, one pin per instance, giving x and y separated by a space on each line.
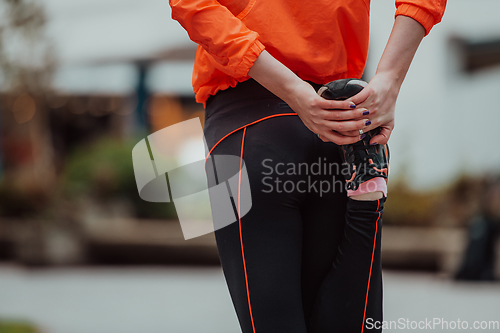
103 170
17 327
407 207
451 205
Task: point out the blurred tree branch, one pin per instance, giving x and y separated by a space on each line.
27 59
27 62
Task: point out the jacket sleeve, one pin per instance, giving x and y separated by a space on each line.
426 12
223 35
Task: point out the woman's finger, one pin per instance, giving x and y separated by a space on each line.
326 104
367 126
348 125
339 139
382 137
362 96
345 114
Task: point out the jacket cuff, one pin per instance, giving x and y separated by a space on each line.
248 59
419 14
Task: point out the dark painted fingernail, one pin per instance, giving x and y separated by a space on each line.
366 113
362 136
352 106
373 144
368 123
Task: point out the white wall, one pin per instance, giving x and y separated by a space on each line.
95 40
446 120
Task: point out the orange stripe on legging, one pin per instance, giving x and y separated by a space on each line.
371 264
386 155
239 223
244 126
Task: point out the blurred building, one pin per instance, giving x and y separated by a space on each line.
124 71
448 107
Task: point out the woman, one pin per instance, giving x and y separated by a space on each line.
305 258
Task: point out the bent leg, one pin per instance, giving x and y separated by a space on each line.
351 294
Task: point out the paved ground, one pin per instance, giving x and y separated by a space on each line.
193 300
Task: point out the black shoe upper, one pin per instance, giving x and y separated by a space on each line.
362 161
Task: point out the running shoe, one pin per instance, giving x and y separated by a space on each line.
361 160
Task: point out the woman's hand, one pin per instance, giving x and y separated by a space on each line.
327 118
379 98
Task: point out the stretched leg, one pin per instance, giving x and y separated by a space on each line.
351 294
341 264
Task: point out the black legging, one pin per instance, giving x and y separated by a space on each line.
302 259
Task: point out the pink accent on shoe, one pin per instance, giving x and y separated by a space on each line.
373 185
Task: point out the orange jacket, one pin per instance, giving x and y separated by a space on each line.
320 41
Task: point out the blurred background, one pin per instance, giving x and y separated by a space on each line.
83 81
